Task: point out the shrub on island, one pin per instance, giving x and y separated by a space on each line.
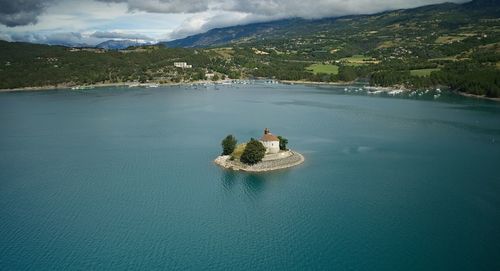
238 151
228 145
283 143
253 153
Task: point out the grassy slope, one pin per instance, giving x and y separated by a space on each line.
423 72
324 68
238 151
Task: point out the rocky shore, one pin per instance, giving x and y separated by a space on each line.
269 163
99 85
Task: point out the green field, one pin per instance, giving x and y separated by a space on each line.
355 58
448 39
323 68
238 151
423 72
387 44
446 58
358 60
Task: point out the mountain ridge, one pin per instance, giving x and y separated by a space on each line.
119 44
294 27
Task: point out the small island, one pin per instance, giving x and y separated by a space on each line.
267 154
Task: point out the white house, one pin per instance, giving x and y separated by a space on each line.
183 65
270 141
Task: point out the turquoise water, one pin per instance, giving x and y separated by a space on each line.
123 179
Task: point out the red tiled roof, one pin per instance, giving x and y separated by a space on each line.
269 137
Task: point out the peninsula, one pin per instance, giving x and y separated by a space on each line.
267 154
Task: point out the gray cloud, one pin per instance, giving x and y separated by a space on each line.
119 35
23 12
72 38
321 8
287 8
165 6
198 15
220 13
59 38
234 12
192 25
15 13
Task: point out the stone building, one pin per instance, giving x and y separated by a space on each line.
270 141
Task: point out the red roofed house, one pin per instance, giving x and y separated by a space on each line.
270 141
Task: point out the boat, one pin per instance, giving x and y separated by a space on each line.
82 87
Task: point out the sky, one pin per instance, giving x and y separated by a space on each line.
89 22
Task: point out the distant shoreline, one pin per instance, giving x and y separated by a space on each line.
469 95
288 82
99 85
61 86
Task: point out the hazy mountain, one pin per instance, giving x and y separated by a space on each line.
118 44
440 17
230 34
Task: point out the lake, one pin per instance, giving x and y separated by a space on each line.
123 179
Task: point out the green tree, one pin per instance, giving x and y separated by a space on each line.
347 73
215 78
283 142
228 145
253 153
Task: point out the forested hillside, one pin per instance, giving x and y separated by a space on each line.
451 45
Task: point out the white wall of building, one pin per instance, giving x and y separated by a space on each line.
271 146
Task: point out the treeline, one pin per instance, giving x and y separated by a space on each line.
470 77
464 76
25 65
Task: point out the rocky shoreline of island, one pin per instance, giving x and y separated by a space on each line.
284 160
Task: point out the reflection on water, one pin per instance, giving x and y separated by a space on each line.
322 105
250 184
254 183
228 178
486 108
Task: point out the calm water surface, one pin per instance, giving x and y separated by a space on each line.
123 179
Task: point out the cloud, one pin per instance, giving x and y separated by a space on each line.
60 38
222 13
15 13
274 8
165 6
119 35
205 21
23 12
51 20
321 8
73 38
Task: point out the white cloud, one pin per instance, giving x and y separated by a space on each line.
119 35
205 21
287 8
59 38
222 13
167 19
